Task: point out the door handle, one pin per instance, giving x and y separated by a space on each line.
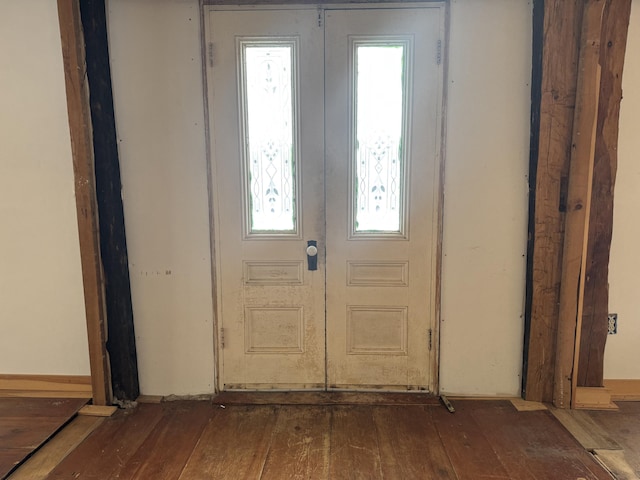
312 255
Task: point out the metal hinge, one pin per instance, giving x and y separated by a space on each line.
430 339
439 52
222 337
320 15
210 54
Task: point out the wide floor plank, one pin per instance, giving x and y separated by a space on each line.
409 444
527 452
236 440
106 452
164 453
355 453
300 444
471 454
40 407
42 463
26 423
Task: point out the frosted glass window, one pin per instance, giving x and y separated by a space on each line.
379 169
270 164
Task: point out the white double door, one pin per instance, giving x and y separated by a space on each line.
325 128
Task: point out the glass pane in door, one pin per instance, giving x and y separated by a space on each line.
380 96
268 105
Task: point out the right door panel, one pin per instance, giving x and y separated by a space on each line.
383 81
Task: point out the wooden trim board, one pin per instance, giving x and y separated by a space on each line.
623 389
51 386
97 411
593 398
81 131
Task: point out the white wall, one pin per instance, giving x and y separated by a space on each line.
158 93
157 86
485 211
622 355
42 318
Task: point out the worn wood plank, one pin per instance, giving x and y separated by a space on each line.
585 430
236 440
40 407
324 398
40 465
623 426
616 462
10 458
104 455
532 445
596 306
549 169
578 206
527 406
28 432
409 444
355 452
300 444
466 443
97 410
26 423
593 398
164 453
77 88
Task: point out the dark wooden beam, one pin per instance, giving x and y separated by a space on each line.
77 88
596 299
549 169
113 245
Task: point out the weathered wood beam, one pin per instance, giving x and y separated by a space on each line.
121 344
556 40
596 300
574 253
77 88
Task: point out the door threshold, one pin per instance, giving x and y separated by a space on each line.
325 398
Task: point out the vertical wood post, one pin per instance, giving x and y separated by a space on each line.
121 343
578 205
83 168
596 301
557 37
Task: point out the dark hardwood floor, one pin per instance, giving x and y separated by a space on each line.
26 423
204 440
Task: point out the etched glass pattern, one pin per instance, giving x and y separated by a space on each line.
379 181
269 133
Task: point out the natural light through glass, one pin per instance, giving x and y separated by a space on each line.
379 181
269 157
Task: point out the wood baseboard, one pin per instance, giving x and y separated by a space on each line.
624 389
594 398
48 386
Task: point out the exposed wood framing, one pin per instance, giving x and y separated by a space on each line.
121 343
83 168
573 162
596 299
574 254
558 37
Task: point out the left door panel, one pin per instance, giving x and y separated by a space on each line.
267 147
